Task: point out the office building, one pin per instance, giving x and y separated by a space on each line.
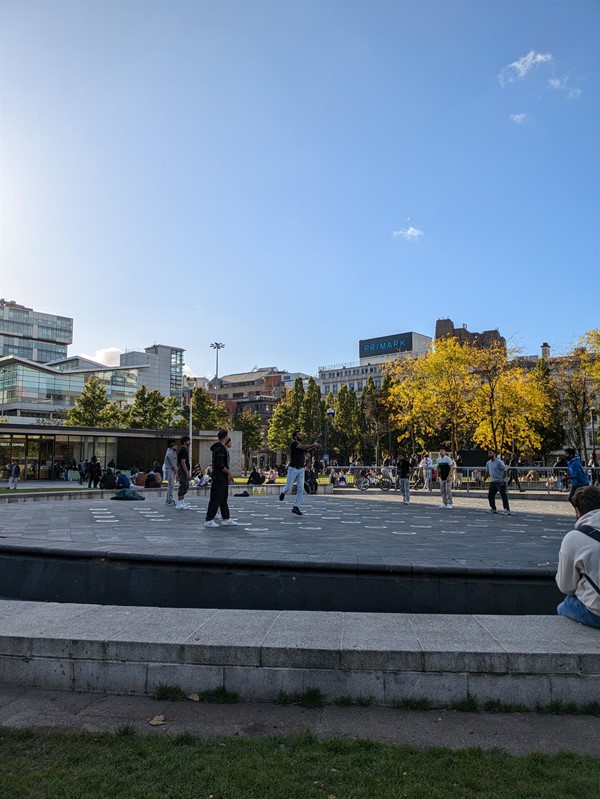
39 337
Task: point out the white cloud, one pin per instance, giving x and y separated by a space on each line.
107 357
518 119
574 94
557 83
408 234
522 66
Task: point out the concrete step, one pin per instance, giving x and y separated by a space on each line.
527 660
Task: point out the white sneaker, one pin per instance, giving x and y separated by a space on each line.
442 506
211 523
178 506
450 507
229 523
506 512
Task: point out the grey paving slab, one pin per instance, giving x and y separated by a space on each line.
377 530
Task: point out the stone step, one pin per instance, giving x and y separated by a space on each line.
527 660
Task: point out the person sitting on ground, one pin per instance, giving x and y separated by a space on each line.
140 479
255 479
578 574
122 480
153 480
272 476
107 481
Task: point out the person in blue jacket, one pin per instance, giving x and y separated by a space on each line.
577 475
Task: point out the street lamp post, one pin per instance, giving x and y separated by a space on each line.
331 413
216 345
192 382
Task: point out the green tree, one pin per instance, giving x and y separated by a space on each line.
173 418
206 415
576 385
282 424
147 411
550 430
250 426
347 433
114 416
88 407
312 413
297 399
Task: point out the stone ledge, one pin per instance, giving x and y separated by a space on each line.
528 660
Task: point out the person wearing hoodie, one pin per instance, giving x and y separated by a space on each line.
219 488
578 574
577 475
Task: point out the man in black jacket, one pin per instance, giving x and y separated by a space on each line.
219 488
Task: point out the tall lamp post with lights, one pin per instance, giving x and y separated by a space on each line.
191 384
216 345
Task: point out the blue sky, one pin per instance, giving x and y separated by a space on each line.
291 177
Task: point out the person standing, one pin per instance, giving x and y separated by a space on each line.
497 471
577 475
219 488
444 470
183 473
295 473
426 467
14 472
404 467
170 469
94 472
513 473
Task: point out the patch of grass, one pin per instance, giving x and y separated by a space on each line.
468 705
414 704
569 709
169 693
311 698
496 706
91 765
126 731
348 701
219 696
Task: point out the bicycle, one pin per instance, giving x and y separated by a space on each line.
365 481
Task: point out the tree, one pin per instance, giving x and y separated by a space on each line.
147 411
550 430
312 413
206 415
347 435
88 407
250 426
282 424
113 416
509 405
576 386
173 414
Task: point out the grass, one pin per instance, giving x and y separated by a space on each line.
311 698
124 766
170 693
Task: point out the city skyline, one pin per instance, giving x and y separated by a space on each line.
291 178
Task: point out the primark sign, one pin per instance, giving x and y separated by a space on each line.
385 345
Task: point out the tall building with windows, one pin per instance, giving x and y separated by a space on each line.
165 367
373 353
39 337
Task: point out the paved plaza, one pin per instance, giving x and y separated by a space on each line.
363 529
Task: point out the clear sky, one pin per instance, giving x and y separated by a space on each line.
290 177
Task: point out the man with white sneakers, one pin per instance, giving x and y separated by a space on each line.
219 488
444 470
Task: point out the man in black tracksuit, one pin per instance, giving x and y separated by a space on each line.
219 488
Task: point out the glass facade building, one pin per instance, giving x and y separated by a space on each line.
26 333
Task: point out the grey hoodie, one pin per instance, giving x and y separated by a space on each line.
578 554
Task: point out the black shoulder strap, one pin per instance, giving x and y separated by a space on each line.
595 534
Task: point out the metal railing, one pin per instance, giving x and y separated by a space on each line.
547 479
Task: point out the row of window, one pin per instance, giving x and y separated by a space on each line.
364 370
358 386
